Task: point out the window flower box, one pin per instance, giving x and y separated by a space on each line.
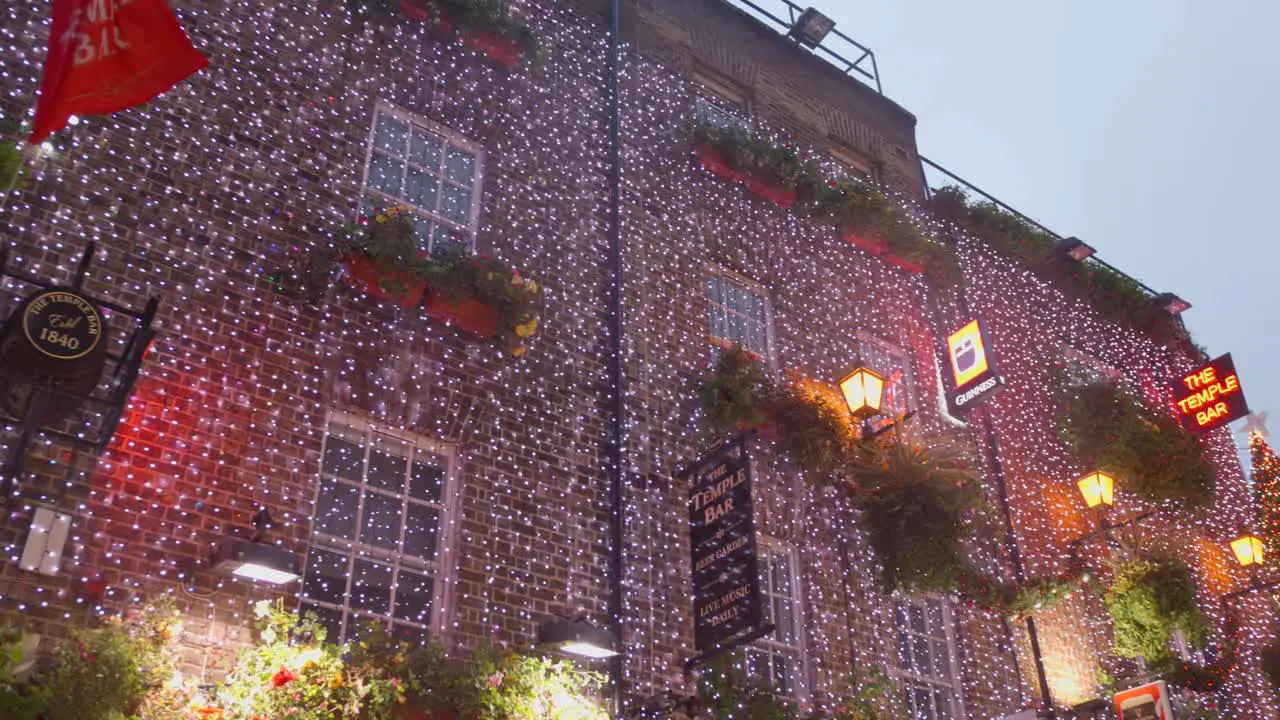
401 287
870 244
765 188
716 163
467 314
504 51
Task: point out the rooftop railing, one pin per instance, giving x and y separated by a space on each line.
836 48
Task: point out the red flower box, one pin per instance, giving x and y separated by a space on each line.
365 275
502 50
715 162
782 197
911 267
469 315
868 243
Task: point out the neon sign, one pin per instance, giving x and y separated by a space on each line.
1210 396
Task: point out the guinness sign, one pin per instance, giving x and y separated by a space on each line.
727 609
54 339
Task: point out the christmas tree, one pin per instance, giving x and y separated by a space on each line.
1266 483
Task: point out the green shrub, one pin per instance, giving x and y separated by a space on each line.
1148 600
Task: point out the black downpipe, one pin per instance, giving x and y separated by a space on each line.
617 399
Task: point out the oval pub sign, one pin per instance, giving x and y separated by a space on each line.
62 324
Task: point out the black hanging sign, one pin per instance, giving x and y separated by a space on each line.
727 610
61 324
55 338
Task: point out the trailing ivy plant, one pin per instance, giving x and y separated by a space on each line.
1149 599
1110 429
1115 296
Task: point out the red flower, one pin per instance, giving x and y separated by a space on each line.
282 678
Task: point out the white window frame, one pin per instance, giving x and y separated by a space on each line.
908 366
1091 365
904 676
720 98
767 357
442 571
847 158
452 137
769 644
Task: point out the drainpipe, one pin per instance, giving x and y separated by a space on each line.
617 401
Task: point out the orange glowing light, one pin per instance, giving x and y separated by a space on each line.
1098 488
863 389
1248 550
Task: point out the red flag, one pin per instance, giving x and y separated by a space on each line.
108 55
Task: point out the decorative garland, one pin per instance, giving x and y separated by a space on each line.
1116 297
1110 429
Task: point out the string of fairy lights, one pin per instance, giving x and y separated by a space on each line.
231 411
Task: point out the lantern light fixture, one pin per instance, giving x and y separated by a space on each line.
1248 549
812 27
1075 249
576 637
1098 488
863 390
1171 303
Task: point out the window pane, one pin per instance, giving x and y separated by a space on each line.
941 660
920 657
737 331
326 578
371 587
414 593
719 322
421 527
344 459
781 571
461 167
424 149
715 290
410 634
386 174
783 681
380 524
420 189
387 470
391 135
336 509
455 204
918 624
427 482
942 702
444 238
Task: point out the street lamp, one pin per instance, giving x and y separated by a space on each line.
1098 488
863 389
1075 249
1248 550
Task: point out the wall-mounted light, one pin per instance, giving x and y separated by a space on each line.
1075 249
253 559
1171 303
812 27
1248 549
576 637
1098 488
45 541
863 389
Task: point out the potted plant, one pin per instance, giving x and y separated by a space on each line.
381 255
489 26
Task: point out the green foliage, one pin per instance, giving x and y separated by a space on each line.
1148 600
727 694
117 665
464 15
436 682
1018 599
1148 451
865 698
12 161
18 700
913 499
1116 297
292 672
387 240
516 687
732 393
1270 662
753 153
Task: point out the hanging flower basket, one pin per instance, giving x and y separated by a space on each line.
468 314
403 287
501 49
870 244
912 267
782 197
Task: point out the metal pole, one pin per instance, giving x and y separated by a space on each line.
616 453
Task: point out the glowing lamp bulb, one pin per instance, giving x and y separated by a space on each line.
1098 488
1248 550
863 390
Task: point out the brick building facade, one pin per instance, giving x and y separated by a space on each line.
462 494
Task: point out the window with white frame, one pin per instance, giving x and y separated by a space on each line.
719 100
927 668
376 546
1084 369
777 659
433 171
894 365
852 164
739 313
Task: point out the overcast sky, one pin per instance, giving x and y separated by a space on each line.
1148 128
